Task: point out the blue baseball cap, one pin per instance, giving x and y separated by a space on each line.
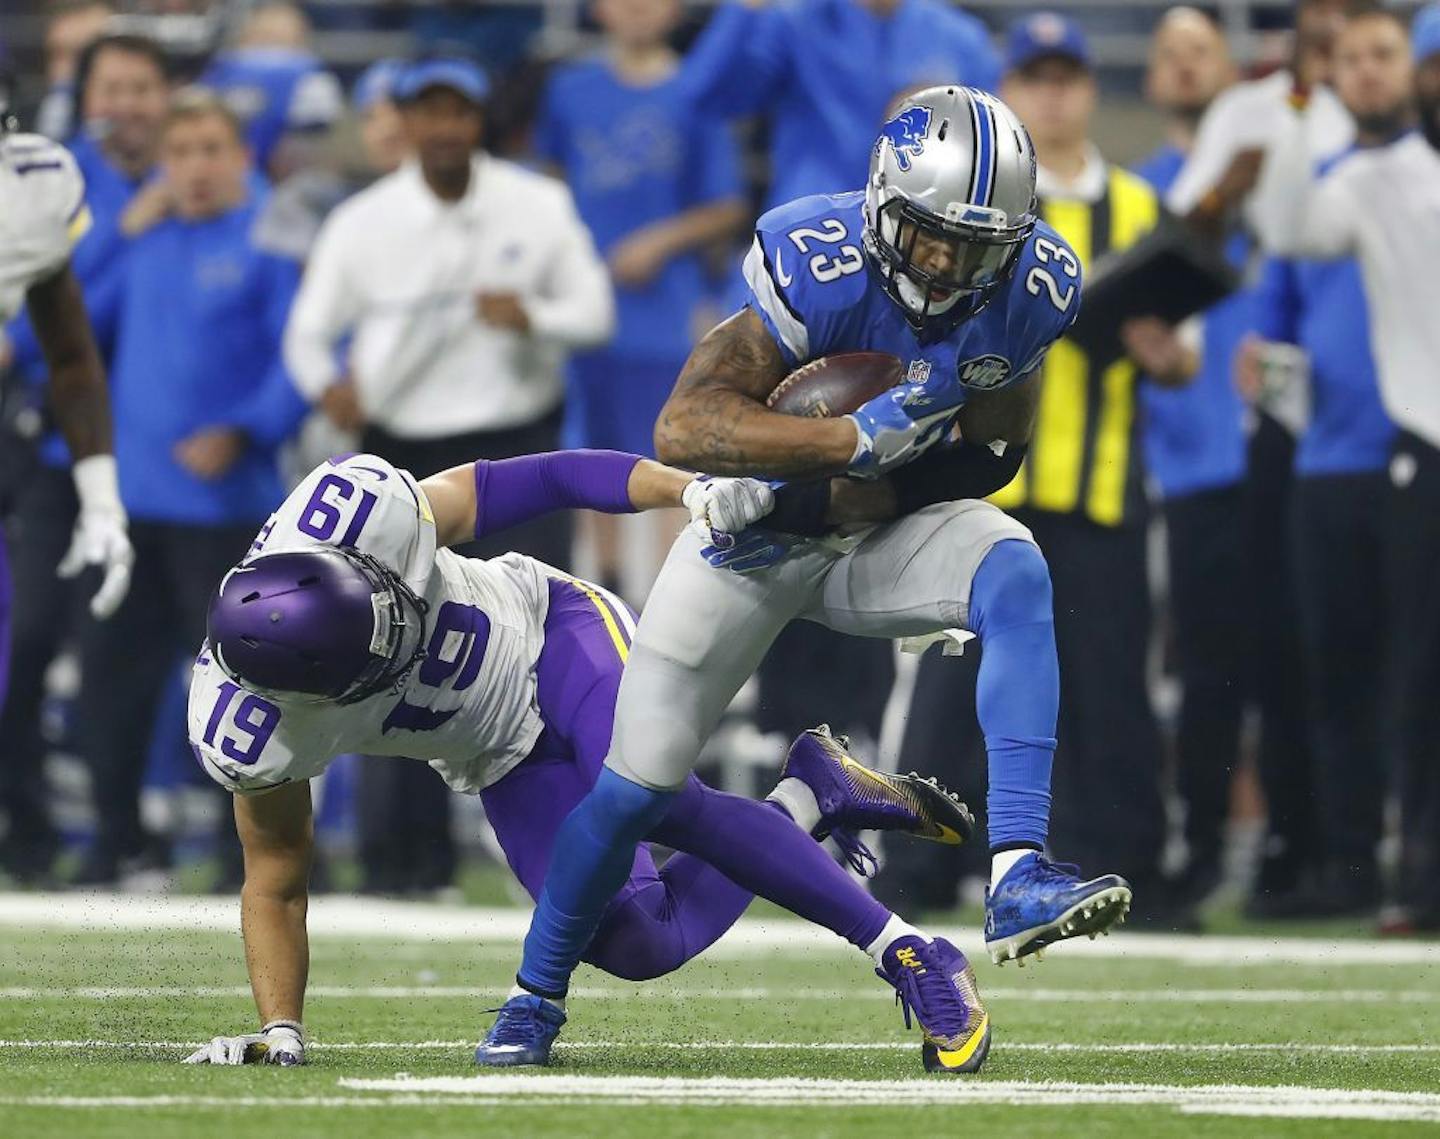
1043 35
459 75
1425 32
376 83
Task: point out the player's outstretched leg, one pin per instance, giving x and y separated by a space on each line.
1031 902
934 982
830 793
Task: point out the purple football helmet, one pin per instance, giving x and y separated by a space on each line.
328 624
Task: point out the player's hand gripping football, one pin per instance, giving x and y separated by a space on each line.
898 425
100 537
721 508
280 1042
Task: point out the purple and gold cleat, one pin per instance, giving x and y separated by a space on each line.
853 798
934 981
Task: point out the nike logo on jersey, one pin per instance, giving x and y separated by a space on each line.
781 276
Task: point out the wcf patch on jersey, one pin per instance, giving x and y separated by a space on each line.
984 372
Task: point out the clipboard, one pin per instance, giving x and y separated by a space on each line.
1171 273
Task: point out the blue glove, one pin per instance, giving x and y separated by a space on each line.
898 425
750 551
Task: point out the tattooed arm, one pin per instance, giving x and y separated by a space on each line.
716 420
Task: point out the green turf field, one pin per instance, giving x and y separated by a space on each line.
776 1034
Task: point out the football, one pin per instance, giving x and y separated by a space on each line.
835 385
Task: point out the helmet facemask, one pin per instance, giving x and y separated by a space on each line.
939 270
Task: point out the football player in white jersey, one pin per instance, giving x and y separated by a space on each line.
350 628
42 215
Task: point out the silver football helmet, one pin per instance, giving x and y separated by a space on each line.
949 204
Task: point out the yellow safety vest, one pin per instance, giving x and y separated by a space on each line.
1082 455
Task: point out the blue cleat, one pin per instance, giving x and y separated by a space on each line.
1039 902
522 1034
933 981
853 798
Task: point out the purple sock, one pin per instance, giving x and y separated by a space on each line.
667 921
757 846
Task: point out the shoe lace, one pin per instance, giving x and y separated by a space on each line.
516 1024
931 992
858 856
1044 868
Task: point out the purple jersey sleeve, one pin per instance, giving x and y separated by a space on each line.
511 491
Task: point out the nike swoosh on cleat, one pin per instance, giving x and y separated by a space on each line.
959 1057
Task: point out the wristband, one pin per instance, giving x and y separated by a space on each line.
97 484
800 508
293 1025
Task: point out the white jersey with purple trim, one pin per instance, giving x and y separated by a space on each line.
42 214
469 708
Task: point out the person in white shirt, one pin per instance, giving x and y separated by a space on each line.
1241 124
462 280
1383 207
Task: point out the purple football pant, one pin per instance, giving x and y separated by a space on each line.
659 919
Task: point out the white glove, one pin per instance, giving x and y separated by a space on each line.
280 1042
100 538
721 507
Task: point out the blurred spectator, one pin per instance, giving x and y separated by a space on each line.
1340 467
656 182
1381 206
1193 424
464 280
824 72
1225 161
124 102
1080 489
276 86
72 26
201 399
382 130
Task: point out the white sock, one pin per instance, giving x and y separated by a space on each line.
1002 860
799 802
517 991
894 928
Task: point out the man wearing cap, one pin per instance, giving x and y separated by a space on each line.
1383 206
1080 488
462 280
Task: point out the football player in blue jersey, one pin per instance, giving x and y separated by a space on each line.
941 261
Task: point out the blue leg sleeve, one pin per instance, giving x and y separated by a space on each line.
594 850
1018 693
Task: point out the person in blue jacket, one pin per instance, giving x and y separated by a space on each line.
201 401
122 107
1341 477
1194 439
825 73
656 180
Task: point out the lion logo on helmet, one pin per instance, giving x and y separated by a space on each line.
907 132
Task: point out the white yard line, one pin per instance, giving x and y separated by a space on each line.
742 993
345 917
1047 1047
557 1091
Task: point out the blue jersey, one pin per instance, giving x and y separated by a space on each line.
275 90
1194 436
1321 306
633 156
824 72
818 293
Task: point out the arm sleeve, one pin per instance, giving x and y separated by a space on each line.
275 410
949 474
1276 301
511 491
576 307
325 307
1312 217
739 62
